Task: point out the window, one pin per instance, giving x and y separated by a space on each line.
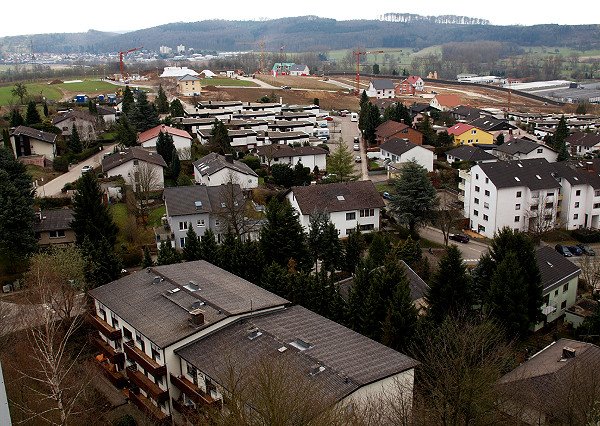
127 334
540 150
182 242
597 193
183 226
476 189
155 352
517 219
547 299
534 207
578 192
476 200
535 195
487 180
367 212
518 194
549 205
473 132
191 371
576 204
487 193
102 312
556 293
114 320
485 217
563 305
550 194
575 216
486 205
351 216
135 162
475 213
597 205
565 287
159 381
517 207
139 340
57 234
368 227
217 223
350 231
200 222
481 228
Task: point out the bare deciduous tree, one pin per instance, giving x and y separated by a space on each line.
235 212
145 180
590 272
447 216
541 217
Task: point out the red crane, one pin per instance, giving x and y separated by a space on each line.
358 54
123 53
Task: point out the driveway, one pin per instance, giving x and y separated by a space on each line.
54 187
348 130
471 251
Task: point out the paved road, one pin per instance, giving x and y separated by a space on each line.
471 251
348 130
54 187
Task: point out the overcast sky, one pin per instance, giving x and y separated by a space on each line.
43 16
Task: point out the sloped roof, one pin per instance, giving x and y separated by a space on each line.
337 197
448 100
298 67
54 220
534 174
196 199
516 146
348 359
283 150
82 115
588 140
459 129
398 146
188 77
153 132
468 112
177 72
470 153
105 110
35 134
389 128
383 84
554 267
213 162
491 124
412 79
129 154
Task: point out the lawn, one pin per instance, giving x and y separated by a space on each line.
89 87
155 215
37 172
50 92
297 82
227 82
119 214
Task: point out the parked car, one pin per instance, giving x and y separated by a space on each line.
86 169
461 238
356 147
344 112
357 159
286 87
323 125
575 250
356 139
324 138
563 250
328 118
587 250
387 195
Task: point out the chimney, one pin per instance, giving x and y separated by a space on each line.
197 317
568 352
229 158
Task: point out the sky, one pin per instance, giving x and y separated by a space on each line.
61 16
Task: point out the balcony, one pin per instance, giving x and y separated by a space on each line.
109 371
108 351
151 388
192 391
104 328
186 410
135 354
149 408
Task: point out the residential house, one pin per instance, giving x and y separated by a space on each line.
281 68
581 143
178 332
108 114
299 70
524 149
348 204
291 126
445 102
53 227
400 151
181 139
560 278
215 170
282 138
189 85
26 141
495 126
86 124
465 113
466 134
309 156
391 129
410 85
380 89
141 169
470 154
557 385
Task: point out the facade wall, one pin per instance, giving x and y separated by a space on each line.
223 176
179 225
398 387
46 240
474 136
36 147
309 161
182 145
422 156
562 297
128 171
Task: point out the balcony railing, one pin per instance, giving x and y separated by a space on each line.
135 354
108 369
140 380
191 390
109 331
149 408
116 357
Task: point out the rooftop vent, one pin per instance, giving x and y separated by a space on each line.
341 198
197 317
517 179
550 264
197 305
282 349
157 280
316 369
301 344
198 204
253 333
539 177
568 352
192 286
173 291
520 165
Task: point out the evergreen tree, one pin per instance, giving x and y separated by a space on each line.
177 108
32 116
92 108
500 139
16 119
46 113
6 140
563 152
401 317
219 138
379 249
450 291
102 265
126 134
415 199
282 238
353 249
175 166
128 101
323 242
17 217
561 134
249 262
191 251
226 251
147 261
372 120
165 147
357 309
274 279
301 175
167 255
316 101
162 104
409 251
429 134
283 175
208 247
375 69
75 141
341 163
143 115
443 139
364 100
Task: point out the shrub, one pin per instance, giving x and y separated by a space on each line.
251 161
587 236
61 164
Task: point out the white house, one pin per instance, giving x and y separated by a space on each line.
85 123
181 139
171 332
108 114
282 138
524 149
381 89
581 143
299 70
400 151
137 166
309 156
348 204
26 141
215 170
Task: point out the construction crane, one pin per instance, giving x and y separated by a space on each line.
123 53
358 54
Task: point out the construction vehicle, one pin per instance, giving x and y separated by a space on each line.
121 55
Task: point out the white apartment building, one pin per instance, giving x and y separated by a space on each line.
309 156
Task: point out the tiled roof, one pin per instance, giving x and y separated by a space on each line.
347 359
162 315
470 153
283 150
535 174
337 197
134 153
412 79
448 100
35 134
459 129
469 113
82 115
588 140
54 220
554 267
398 146
383 84
516 146
152 133
196 199
298 67
213 162
389 128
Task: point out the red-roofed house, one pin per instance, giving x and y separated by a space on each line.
465 134
181 139
410 85
394 130
445 102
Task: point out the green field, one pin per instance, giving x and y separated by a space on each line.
402 54
227 82
89 87
42 89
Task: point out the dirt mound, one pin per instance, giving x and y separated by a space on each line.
56 82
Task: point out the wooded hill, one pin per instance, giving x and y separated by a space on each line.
307 33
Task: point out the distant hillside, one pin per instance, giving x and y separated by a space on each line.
441 19
309 33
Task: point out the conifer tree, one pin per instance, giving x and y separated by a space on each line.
167 255
191 251
32 116
323 242
147 261
379 248
340 162
165 147
16 119
274 279
128 101
143 115
102 265
176 108
75 141
209 247
401 317
162 104
219 139
126 134
175 166
357 310
6 140
353 249
46 112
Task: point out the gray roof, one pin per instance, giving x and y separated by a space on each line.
54 220
82 115
588 140
298 67
383 84
398 146
350 360
490 124
183 200
283 150
188 77
105 110
130 154
470 153
517 146
162 315
534 174
554 267
467 113
35 134
213 162
337 197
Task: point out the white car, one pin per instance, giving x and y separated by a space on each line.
357 159
86 169
356 147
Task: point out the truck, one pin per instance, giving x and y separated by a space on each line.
354 116
320 131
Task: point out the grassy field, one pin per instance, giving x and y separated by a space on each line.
50 92
37 172
296 82
403 55
89 87
227 82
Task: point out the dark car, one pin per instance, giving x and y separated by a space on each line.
575 250
286 87
563 250
461 238
587 250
